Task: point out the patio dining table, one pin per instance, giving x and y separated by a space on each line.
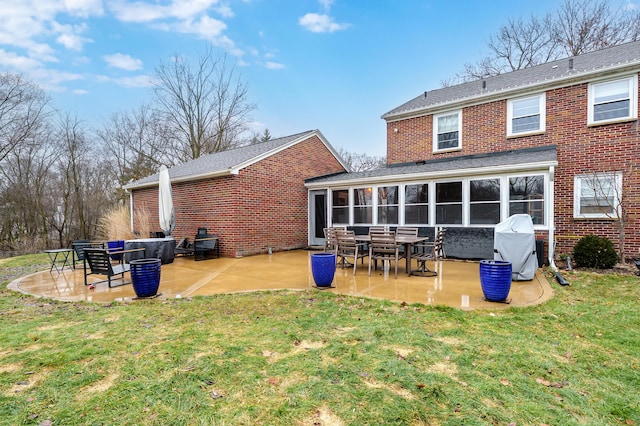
406 240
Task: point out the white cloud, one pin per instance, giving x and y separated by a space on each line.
80 92
274 65
320 23
129 82
326 4
17 62
69 35
124 62
141 11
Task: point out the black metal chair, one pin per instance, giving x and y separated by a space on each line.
205 245
99 262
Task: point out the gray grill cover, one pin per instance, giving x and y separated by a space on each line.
515 242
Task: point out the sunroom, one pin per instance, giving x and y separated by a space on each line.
468 195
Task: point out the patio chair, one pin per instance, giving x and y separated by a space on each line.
205 245
184 248
428 252
78 247
100 264
330 239
383 247
349 248
408 231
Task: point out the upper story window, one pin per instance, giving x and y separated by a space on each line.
526 115
613 100
597 195
447 131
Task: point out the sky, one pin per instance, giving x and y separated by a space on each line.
332 65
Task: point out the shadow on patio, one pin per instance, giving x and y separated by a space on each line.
457 283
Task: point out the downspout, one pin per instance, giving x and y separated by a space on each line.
552 215
130 209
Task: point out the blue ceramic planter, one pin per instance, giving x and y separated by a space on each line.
495 279
323 268
145 276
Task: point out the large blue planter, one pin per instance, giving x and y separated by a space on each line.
323 268
495 279
145 276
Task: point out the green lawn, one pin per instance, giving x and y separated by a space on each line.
315 358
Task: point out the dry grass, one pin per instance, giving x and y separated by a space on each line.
116 223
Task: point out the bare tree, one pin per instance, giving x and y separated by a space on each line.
137 142
206 104
610 196
23 106
362 162
586 25
578 26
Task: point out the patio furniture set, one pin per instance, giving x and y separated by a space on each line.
385 245
140 257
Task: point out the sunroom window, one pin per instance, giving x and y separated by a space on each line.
526 195
484 201
449 203
363 205
416 204
388 204
340 206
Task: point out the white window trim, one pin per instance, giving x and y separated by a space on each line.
435 131
542 104
633 97
577 187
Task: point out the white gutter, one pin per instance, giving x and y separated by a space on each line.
404 177
551 218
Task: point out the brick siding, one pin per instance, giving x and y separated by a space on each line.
265 205
581 150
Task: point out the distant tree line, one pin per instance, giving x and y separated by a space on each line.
59 176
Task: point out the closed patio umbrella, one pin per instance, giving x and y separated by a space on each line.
166 213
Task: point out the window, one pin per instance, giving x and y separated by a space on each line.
484 202
526 195
449 203
340 206
388 204
613 100
416 204
446 131
362 205
597 195
526 115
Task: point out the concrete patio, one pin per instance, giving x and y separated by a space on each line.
457 283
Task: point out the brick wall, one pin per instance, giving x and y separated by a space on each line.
581 150
265 205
